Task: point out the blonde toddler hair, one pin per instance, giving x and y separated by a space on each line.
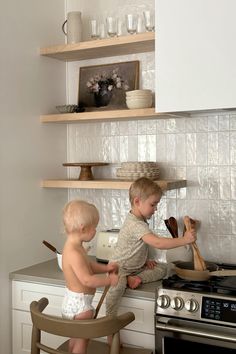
79 213
143 188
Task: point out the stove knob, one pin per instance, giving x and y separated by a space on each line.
177 303
191 305
163 301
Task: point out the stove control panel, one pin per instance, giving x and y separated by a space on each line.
204 307
178 303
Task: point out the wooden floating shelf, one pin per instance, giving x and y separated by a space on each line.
108 47
109 184
119 114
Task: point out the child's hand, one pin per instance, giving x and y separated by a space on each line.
190 236
113 278
150 264
112 267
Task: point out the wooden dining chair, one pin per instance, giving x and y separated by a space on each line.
92 328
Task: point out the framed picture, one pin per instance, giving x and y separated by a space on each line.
105 85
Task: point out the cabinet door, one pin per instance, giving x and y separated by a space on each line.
195 55
21 328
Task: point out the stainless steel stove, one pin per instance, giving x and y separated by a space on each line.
196 316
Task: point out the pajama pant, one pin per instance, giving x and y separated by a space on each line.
115 293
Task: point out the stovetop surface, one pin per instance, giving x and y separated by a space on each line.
217 285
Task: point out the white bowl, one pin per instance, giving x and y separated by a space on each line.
138 93
59 260
140 99
133 104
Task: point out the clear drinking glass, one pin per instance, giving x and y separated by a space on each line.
149 20
102 31
94 26
111 26
131 23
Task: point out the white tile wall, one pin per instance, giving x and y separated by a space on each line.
200 148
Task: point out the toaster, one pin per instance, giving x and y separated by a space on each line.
106 241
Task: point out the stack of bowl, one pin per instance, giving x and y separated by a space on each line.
139 99
133 170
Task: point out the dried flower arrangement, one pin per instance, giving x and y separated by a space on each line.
108 81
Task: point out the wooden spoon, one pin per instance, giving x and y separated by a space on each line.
171 231
193 223
199 263
51 247
174 226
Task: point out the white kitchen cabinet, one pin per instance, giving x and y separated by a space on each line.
195 55
139 333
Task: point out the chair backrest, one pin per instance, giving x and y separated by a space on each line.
92 328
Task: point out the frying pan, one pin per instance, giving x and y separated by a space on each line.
185 270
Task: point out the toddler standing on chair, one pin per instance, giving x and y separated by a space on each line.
80 220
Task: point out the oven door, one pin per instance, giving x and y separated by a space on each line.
181 336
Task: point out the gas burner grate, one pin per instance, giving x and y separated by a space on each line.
174 282
221 285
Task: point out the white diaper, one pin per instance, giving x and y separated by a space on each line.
76 303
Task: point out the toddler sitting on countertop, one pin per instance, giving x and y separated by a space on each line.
134 239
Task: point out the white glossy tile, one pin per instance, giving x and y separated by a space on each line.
224 182
233 147
212 148
224 122
191 149
142 144
213 122
233 182
223 148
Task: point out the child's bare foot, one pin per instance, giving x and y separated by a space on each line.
134 281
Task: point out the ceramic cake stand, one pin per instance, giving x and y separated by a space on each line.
86 169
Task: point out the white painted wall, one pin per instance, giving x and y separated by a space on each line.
30 86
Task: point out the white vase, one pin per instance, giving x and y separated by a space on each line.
74 27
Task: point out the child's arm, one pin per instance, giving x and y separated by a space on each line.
104 268
167 243
82 272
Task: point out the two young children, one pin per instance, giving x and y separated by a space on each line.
130 256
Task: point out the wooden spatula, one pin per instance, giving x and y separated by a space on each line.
199 263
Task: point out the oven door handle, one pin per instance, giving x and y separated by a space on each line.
193 331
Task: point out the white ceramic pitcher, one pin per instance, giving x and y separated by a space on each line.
74 27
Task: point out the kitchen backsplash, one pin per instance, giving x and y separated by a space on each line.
200 148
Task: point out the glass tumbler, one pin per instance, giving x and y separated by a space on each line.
131 23
149 20
111 26
94 26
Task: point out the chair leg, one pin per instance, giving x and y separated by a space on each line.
115 344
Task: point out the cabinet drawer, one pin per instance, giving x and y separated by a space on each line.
23 293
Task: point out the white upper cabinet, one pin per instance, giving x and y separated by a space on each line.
195 55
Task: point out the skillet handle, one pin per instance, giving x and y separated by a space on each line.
224 273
